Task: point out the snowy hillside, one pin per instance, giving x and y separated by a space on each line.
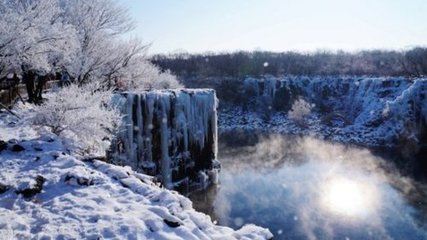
47 193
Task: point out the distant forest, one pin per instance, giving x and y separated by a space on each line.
410 63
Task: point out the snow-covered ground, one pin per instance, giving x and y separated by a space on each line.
47 193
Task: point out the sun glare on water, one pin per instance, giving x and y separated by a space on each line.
350 198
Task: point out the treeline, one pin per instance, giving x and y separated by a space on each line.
411 63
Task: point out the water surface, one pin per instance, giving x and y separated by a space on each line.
309 189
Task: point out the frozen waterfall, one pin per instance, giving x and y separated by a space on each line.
170 134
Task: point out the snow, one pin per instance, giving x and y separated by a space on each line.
91 199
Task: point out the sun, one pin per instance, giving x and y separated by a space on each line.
348 197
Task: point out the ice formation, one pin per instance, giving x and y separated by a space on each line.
170 134
372 111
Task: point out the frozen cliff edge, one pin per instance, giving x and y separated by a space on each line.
169 134
47 193
387 111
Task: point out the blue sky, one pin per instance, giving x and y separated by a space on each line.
279 25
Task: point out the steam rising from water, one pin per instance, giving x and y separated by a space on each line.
302 188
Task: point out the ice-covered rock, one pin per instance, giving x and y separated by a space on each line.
170 134
389 111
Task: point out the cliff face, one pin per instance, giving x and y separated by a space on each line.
171 134
384 111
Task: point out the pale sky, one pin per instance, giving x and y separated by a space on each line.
199 26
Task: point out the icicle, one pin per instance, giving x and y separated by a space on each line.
164 137
149 112
129 144
214 121
140 124
182 117
270 87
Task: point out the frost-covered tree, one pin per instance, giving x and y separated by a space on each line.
127 68
300 110
83 113
103 55
144 75
98 24
32 35
84 37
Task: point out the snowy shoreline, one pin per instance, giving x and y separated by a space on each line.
90 200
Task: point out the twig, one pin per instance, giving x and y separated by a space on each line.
10 111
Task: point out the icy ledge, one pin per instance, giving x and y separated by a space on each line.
92 199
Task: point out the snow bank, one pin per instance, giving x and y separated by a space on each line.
170 134
91 199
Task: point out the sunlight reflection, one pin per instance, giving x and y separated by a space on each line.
350 198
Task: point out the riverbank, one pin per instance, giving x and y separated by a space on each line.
48 192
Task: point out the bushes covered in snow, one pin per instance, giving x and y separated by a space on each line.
145 75
81 113
300 111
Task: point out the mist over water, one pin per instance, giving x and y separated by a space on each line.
302 188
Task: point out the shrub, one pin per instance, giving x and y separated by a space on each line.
142 75
83 114
300 110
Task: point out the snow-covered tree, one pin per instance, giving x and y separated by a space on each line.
103 55
84 37
300 110
98 24
32 35
83 113
144 75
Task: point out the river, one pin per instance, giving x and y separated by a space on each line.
303 188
